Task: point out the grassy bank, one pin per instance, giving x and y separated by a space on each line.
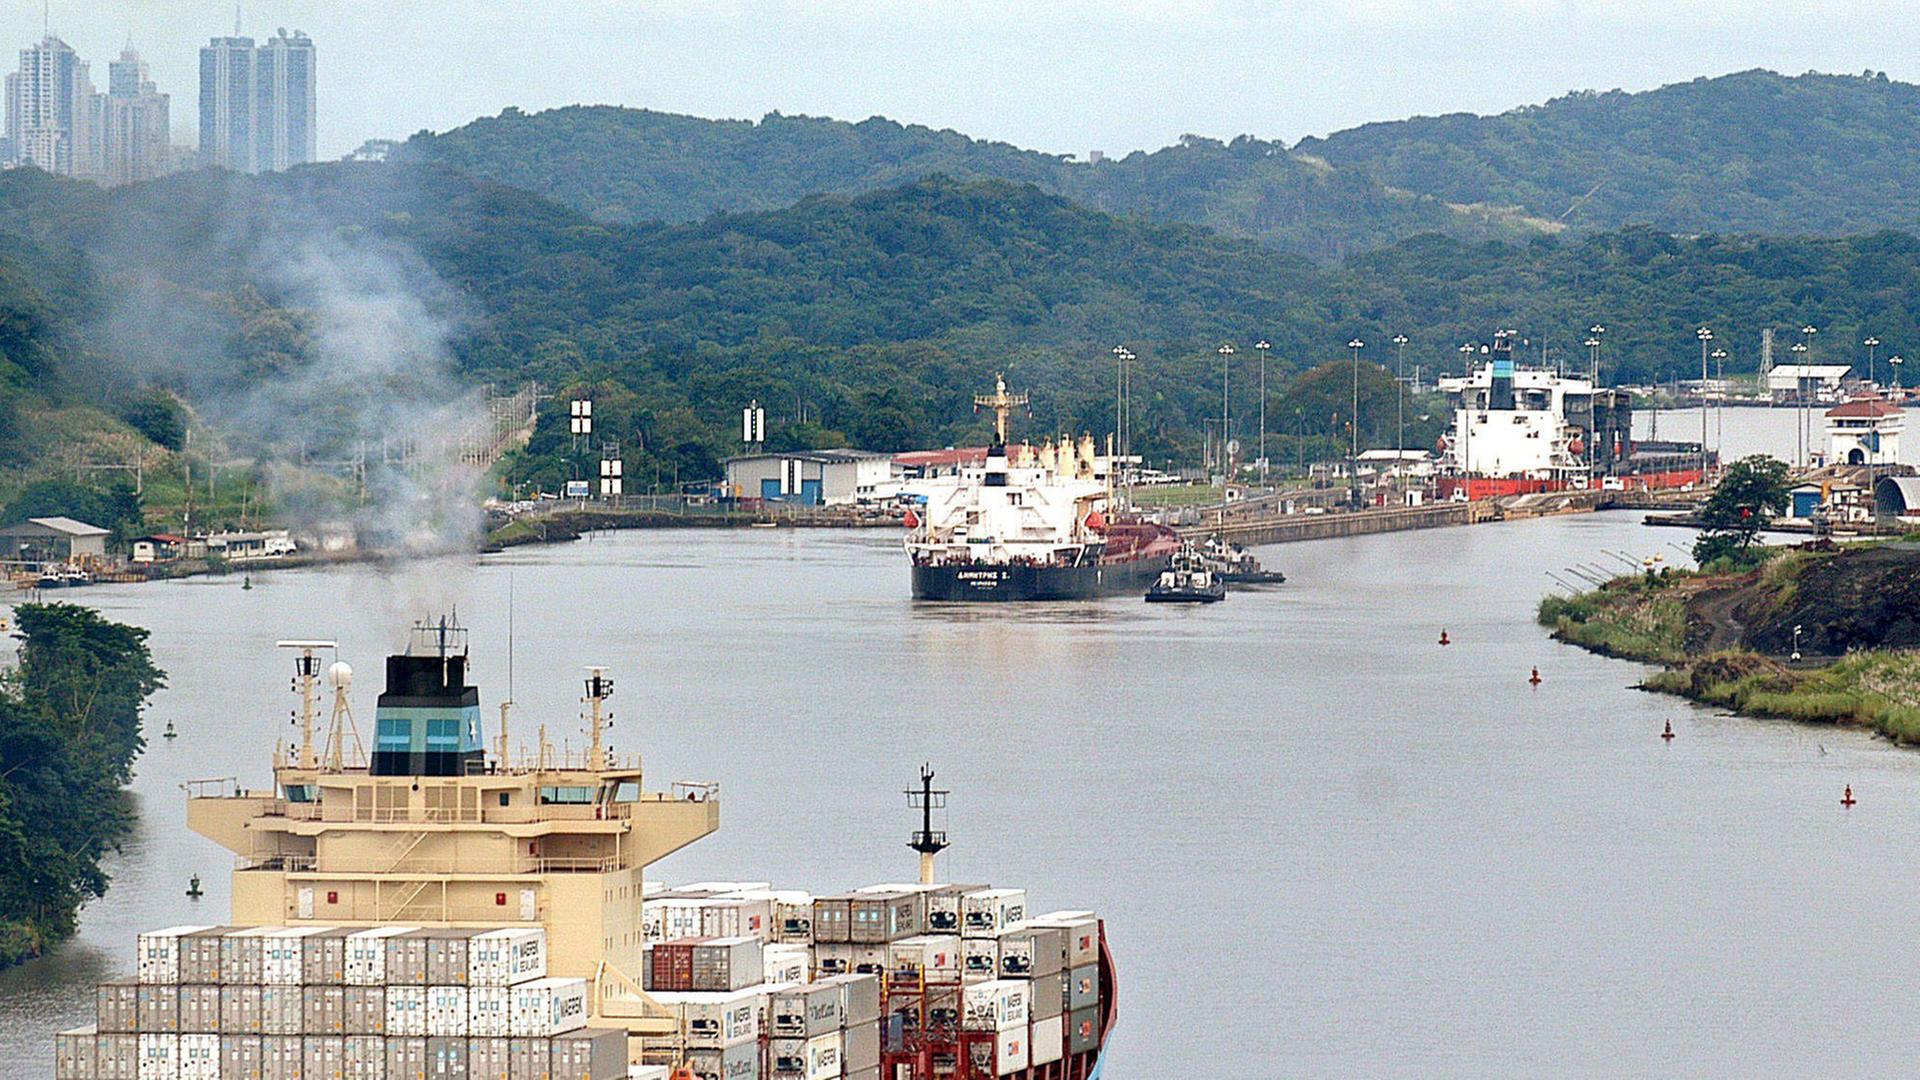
1877 690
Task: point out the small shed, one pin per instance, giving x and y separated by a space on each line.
165 547
53 539
1804 499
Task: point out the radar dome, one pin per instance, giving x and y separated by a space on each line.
340 674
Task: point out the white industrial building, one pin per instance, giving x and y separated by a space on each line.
1807 382
814 477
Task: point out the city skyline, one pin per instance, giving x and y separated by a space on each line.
1067 77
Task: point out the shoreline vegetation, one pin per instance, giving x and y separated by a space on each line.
1726 635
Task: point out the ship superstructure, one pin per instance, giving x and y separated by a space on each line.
1027 523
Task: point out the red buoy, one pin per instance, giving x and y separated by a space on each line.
1847 799
1534 679
1443 637
1668 734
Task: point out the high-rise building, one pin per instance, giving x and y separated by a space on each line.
136 143
257 102
52 114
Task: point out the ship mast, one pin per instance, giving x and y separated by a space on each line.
927 842
306 675
1001 403
599 689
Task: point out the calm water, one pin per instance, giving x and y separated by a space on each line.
1325 846
1739 432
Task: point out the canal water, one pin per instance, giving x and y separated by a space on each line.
1325 845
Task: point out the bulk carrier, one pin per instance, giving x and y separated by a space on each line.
439 909
1029 524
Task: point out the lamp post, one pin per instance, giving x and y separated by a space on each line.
1720 402
1467 395
1598 333
1705 335
1871 343
1399 407
1264 346
1353 427
1806 407
1226 459
1799 351
1896 361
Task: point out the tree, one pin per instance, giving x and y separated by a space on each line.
159 416
1752 491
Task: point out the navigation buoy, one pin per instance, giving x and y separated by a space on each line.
1846 798
193 888
246 582
170 733
1443 637
1534 679
1668 734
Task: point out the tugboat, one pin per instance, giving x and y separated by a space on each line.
1233 565
1028 524
1189 580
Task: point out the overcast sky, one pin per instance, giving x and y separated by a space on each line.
1059 75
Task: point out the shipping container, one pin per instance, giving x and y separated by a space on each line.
405 1056
1083 987
784 963
862 1047
447 1059
590 1054
649 1072
407 958
846 959
365 1057
1001 1054
364 1009
995 1005
158 1008
670 918
367 955
547 1007
943 907
323 1057
724 964
986 912
488 1012
672 964
1083 1030
943 1007
200 954
323 957
199 1057
282 1057
240 1058
74 1054
117 1006
448 957
716 1021
882 917
240 1011
200 1008
159 1056
487 1059
721 888
529 1059
1028 951
240 954
117 1056
1083 935
865 1074
832 917
157 955
282 960
325 1009
929 957
737 917
1047 1041
1049 997
407 1011
823 1056
283 1010
447 1011
740 1062
805 1011
860 1001
791 912
506 957
979 958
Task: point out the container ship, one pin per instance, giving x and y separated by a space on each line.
1519 430
1028 523
439 909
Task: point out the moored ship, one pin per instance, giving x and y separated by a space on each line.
439 907
1028 523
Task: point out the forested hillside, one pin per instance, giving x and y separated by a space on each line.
1752 152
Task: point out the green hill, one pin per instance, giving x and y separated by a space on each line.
1751 152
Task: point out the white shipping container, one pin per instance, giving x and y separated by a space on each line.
367 955
717 888
804 1011
738 917
979 958
995 1005
547 1007
740 1062
730 963
159 1057
282 1010
447 1010
488 1009
157 959
783 964
240 954
1011 1051
848 959
934 957
407 1011
282 956
985 912
670 918
1083 934
199 1057
1048 1041
861 1048
716 1021
1028 951
823 1056
507 957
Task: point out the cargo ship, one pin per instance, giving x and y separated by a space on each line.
1028 523
1520 431
440 908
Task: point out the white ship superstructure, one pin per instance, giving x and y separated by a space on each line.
1513 422
1020 505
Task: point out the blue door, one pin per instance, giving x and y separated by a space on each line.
810 492
1805 502
770 489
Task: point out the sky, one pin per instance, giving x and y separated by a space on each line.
1065 76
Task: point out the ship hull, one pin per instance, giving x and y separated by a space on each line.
991 582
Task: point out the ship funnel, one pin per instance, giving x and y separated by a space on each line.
427 720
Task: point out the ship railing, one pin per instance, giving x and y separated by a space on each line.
310 864
688 791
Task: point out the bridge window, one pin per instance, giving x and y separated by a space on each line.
567 795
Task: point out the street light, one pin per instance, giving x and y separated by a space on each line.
1400 407
1896 361
1705 335
1806 407
1799 351
1226 461
1871 343
1720 402
1353 426
1598 333
1264 346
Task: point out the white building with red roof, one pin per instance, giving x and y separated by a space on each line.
1864 431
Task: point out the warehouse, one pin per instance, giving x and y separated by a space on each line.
814 477
53 540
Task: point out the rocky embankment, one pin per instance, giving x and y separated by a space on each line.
1728 638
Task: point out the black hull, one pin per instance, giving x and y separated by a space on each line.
978 581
